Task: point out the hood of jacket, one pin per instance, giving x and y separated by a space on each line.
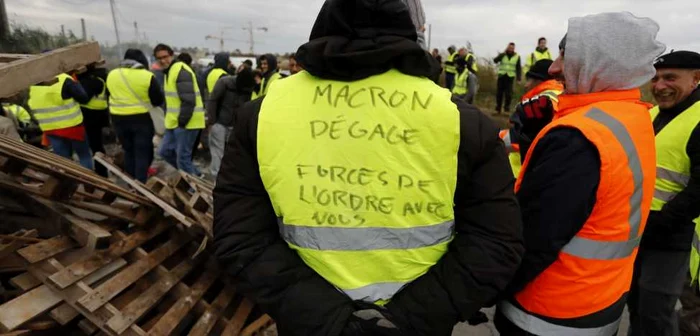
245 81
221 60
271 64
610 52
137 56
356 39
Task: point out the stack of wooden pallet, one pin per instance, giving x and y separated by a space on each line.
101 259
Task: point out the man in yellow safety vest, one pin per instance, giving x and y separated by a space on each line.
451 67
669 241
509 69
222 63
357 197
540 53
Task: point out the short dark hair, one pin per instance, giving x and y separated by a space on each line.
293 56
161 47
511 44
185 58
541 39
248 62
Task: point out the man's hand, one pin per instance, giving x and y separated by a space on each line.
372 320
532 116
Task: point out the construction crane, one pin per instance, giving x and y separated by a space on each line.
250 30
221 38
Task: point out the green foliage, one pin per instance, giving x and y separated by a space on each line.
27 40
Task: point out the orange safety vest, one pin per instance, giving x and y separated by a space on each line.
593 272
551 88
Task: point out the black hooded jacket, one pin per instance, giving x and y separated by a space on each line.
352 40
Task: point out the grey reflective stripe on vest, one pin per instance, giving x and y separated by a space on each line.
541 327
176 95
54 109
57 119
696 241
128 105
672 176
375 292
365 238
607 250
508 142
665 196
177 110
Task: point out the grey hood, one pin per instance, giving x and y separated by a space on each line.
610 52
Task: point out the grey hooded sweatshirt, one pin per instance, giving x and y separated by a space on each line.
610 52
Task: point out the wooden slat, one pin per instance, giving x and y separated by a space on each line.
79 270
256 325
25 281
19 75
182 307
46 249
130 274
234 327
144 303
14 245
88 234
208 320
109 211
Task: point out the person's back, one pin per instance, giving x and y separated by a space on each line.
360 183
586 183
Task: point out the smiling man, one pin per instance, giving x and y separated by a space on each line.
662 264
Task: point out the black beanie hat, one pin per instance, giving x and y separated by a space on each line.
540 70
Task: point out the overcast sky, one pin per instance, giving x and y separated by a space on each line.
488 24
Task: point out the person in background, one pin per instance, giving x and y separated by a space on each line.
222 63
29 129
587 182
269 73
540 53
133 90
56 108
95 112
538 82
184 117
464 89
294 66
415 7
418 259
436 55
229 94
164 56
509 70
18 111
661 268
450 67
9 125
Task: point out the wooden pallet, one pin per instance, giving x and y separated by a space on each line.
18 72
27 169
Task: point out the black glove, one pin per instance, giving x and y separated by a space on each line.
532 116
372 320
478 318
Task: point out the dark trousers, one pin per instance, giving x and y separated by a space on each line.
656 286
136 136
94 121
505 88
449 80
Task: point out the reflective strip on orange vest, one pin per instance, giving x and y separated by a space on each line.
606 250
541 327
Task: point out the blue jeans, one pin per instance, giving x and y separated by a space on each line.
176 149
65 147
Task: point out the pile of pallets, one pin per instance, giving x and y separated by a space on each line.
101 259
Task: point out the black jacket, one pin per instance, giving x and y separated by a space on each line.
352 40
672 227
226 98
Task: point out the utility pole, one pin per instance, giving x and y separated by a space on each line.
63 31
82 25
430 34
136 31
4 23
116 28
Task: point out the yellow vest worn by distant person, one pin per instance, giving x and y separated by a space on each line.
173 103
98 102
450 66
19 112
214 76
536 56
673 168
362 176
128 91
50 109
265 85
461 86
508 66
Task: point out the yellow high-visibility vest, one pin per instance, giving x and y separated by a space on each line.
450 66
475 64
362 176
508 66
172 99
19 112
50 109
461 87
123 83
673 168
214 76
98 102
536 56
265 85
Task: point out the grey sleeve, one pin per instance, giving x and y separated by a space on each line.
187 95
472 86
213 102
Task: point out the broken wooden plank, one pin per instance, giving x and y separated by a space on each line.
238 320
182 307
130 274
88 234
257 325
208 320
81 269
21 74
25 281
144 303
14 245
46 249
